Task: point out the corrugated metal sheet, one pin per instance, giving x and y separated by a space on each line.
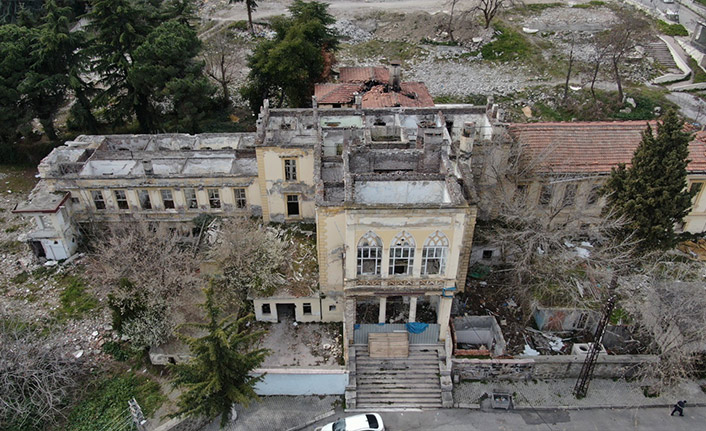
429 336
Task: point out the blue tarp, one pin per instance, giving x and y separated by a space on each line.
416 327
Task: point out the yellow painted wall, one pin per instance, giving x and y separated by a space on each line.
273 187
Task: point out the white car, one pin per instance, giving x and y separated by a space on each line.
366 422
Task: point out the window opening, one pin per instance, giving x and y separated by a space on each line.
121 199
214 198
98 199
545 195
266 309
145 201
167 199
293 205
190 198
290 169
569 195
402 254
487 254
369 254
240 200
331 308
306 308
434 254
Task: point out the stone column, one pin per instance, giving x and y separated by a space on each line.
383 309
413 309
349 318
443 316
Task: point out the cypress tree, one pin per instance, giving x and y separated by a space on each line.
219 374
652 193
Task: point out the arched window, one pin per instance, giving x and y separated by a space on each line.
402 254
434 253
369 254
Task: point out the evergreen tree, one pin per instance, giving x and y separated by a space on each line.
219 373
652 192
250 5
285 69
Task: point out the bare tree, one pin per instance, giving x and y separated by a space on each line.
223 57
490 8
620 40
568 71
36 377
147 273
449 25
600 50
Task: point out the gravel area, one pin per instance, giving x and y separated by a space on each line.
558 393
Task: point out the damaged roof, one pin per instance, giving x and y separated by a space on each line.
590 147
411 95
363 74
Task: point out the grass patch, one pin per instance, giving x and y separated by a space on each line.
508 45
241 25
44 271
671 29
589 5
389 49
107 400
74 298
698 73
18 178
12 229
471 99
119 351
20 278
10 246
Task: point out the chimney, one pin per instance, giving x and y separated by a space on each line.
395 75
147 167
358 101
468 136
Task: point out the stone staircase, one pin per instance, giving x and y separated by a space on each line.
418 381
660 52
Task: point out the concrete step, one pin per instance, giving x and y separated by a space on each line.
373 390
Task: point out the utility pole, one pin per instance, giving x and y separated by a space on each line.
137 417
589 364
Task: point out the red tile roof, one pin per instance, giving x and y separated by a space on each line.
411 94
336 93
364 74
590 147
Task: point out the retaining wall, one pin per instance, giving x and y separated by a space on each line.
547 367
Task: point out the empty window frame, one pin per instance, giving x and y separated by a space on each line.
569 195
306 308
167 199
121 199
240 199
266 309
695 188
545 195
487 254
192 202
369 254
145 201
290 169
402 254
331 308
593 195
292 205
214 198
98 199
434 253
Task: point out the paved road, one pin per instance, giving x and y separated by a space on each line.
687 16
644 419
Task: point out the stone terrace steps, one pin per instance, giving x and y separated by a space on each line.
660 52
411 382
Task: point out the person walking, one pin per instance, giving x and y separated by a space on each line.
679 407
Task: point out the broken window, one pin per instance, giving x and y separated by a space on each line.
167 199
696 188
214 198
369 254
121 199
434 254
240 200
593 195
290 169
331 308
487 254
545 195
306 308
293 205
190 199
266 309
402 254
569 195
145 202
98 199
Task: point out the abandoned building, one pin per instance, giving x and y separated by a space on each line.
394 194
372 87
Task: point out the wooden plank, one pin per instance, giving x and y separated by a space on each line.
388 345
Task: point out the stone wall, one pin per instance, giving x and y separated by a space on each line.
547 367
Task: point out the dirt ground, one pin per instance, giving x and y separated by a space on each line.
302 344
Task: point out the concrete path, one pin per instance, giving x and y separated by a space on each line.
558 394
